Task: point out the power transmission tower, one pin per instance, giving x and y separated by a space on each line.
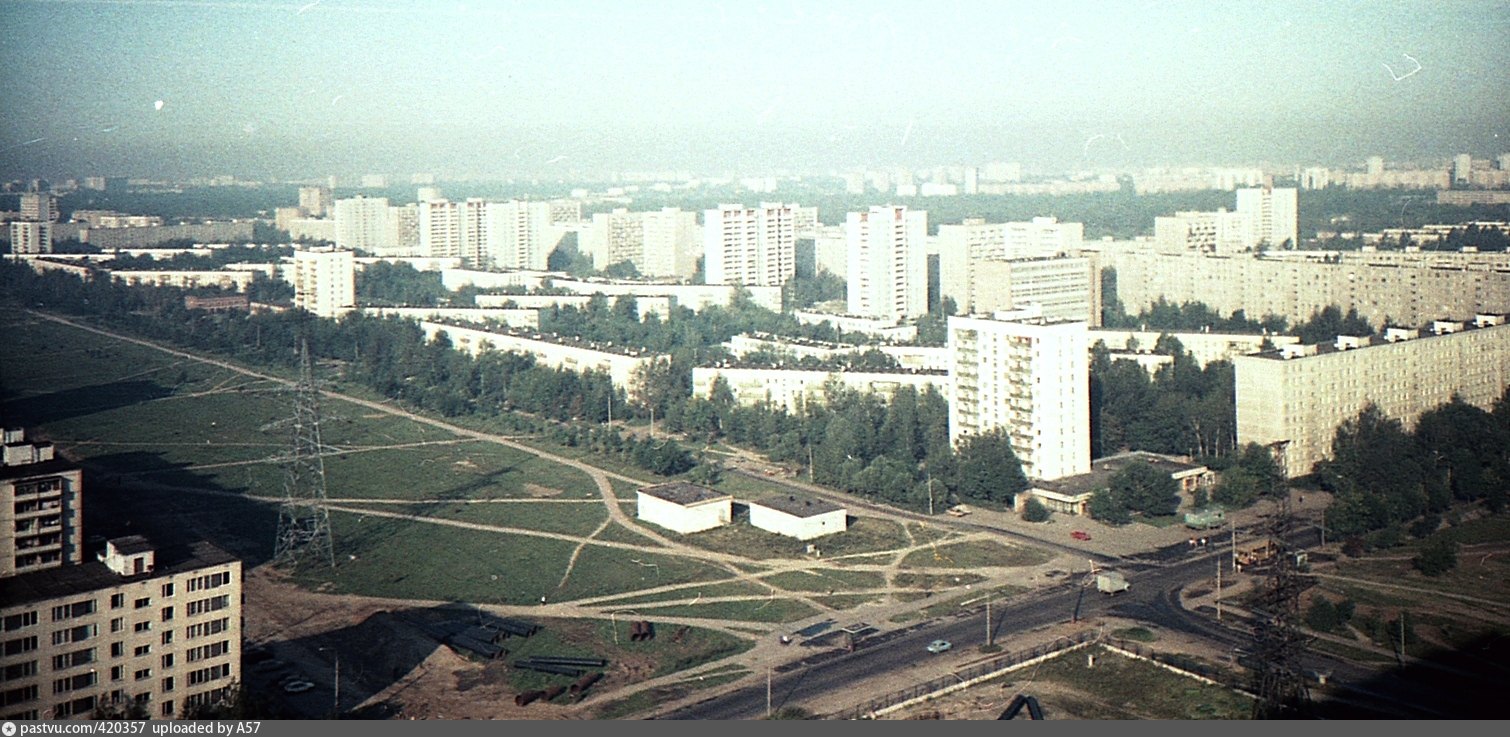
303 520
1278 641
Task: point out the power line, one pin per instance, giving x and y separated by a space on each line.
303 519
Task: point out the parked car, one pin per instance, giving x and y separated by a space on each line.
297 686
1080 535
938 646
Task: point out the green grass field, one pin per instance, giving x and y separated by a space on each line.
976 554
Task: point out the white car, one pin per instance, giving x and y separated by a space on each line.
938 646
297 686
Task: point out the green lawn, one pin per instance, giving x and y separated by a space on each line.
1119 687
567 519
755 610
976 554
828 579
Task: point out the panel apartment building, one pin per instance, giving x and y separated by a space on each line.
1301 393
156 628
1403 288
754 246
1027 375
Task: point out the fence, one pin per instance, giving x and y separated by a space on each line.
937 686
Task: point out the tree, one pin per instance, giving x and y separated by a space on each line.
1106 507
988 469
1140 487
1322 616
1437 557
1035 511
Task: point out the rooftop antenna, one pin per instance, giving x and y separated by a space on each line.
303 519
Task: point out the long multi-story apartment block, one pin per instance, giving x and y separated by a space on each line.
1299 394
315 201
795 389
1204 232
619 363
887 263
1065 287
753 246
159 630
487 234
1404 288
1028 377
156 629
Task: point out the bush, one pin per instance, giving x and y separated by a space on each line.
1437 557
1422 528
1106 507
1035 511
1322 616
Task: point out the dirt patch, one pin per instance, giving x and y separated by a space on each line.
538 491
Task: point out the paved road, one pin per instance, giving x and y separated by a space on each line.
1152 599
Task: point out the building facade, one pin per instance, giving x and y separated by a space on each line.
887 263
620 364
795 389
362 224
804 519
1065 287
159 630
325 281
1406 288
1028 377
41 507
30 236
1274 213
683 508
1299 395
753 246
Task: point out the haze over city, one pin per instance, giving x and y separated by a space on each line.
287 89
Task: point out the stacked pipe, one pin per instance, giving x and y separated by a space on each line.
584 683
641 630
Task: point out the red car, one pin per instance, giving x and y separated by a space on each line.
1080 535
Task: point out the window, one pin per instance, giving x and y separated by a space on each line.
212 673
143 602
19 621
73 659
142 627
167 614
212 604
74 634
117 672
142 650
213 580
167 589
144 674
168 660
205 652
70 708
18 671
168 705
73 683
117 601
19 695
64 612
168 684
117 649
117 624
168 637
20 645
213 627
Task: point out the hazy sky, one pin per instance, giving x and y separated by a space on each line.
270 88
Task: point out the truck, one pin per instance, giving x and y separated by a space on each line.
1205 519
1111 582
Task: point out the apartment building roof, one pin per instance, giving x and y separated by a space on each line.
53 583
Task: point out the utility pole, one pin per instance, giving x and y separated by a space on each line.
930 502
810 463
988 619
768 692
336 684
1218 589
1232 523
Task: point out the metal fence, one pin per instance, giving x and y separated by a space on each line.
989 667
